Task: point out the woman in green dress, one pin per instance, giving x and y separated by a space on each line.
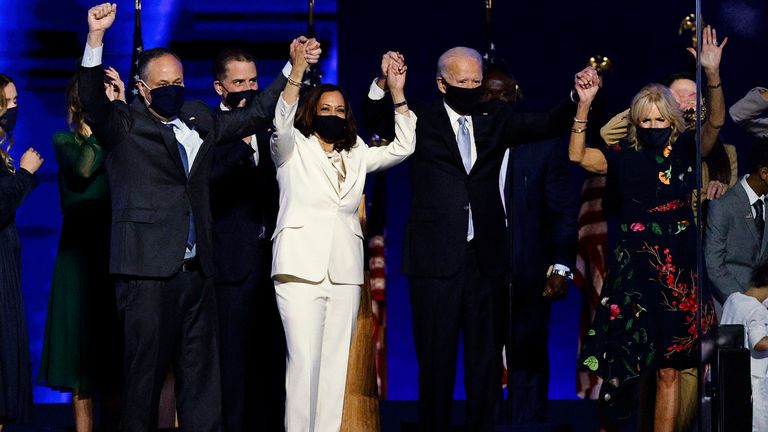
81 351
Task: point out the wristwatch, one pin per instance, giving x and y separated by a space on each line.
566 274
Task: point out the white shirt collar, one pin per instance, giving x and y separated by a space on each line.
751 194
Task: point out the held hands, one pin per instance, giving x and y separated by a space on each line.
396 76
587 83
113 85
304 52
31 160
711 52
101 17
389 58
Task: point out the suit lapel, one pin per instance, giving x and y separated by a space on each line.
480 126
193 122
172 145
446 132
321 158
350 165
749 220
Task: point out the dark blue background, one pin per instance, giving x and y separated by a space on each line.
544 43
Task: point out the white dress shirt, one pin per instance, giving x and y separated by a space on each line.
752 197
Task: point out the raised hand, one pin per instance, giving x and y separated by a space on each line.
396 76
313 51
101 17
388 58
31 160
114 87
711 51
587 83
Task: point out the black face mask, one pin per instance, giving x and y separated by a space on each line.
167 100
654 137
233 98
8 120
462 100
331 128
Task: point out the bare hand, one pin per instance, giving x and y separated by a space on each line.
556 287
101 17
396 76
114 87
711 52
298 54
715 189
391 57
313 51
31 160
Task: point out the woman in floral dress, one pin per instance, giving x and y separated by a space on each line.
647 318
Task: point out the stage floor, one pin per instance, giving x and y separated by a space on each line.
397 416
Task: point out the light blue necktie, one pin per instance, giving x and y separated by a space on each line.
465 148
191 237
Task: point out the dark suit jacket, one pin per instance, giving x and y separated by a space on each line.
543 215
435 236
244 204
151 194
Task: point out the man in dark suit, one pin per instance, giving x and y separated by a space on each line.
454 246
542 210
244 202
158 162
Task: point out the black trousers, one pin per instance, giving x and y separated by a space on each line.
170 323
252 352
528 358
469 303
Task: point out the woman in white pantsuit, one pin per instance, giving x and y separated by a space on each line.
318 250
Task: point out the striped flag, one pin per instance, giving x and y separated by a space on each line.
138 48
377 221
590 269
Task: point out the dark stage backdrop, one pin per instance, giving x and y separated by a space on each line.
543 43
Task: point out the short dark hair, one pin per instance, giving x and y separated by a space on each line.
760 276
678 76
147 56
228 55
759 155
307 112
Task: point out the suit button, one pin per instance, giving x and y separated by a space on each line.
466 207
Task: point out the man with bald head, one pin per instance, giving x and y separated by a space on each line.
454 247
158 163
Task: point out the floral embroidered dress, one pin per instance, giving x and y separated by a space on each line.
647 315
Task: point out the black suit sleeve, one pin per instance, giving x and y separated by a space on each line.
236 124
228 156
13 189
521 128
377 117
109 121
562 201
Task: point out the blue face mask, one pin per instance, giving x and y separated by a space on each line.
167 100
8 120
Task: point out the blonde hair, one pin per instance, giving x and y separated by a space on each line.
643 102
5 138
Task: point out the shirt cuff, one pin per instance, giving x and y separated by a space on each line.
561 267
92 56
287 69
375 92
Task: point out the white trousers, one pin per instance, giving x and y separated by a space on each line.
319 320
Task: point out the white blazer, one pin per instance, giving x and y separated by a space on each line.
318 231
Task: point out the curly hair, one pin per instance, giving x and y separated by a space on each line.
643 102
307 112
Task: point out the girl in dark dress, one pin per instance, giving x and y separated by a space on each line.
15 364
81 350
648 314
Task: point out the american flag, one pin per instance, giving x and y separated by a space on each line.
377 266
138 48
590 269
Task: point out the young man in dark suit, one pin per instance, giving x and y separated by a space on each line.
454 247
158 162
542 209
244 202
